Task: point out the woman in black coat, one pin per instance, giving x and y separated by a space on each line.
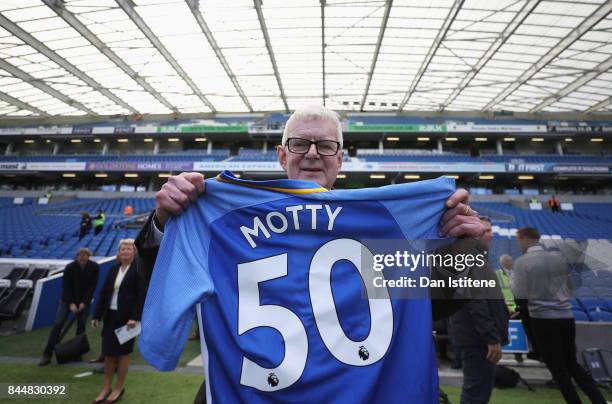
120 303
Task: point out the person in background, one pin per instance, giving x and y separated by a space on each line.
78 286
554 204
503 278
543 277
128 210
85 224
120 303
98 222
479 329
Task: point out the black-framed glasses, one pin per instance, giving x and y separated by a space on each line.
298 145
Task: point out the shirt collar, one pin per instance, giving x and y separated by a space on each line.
535 248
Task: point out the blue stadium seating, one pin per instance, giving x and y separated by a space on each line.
51 231
600 315
218 155
546 158
580 315
446 158
566 224
593 303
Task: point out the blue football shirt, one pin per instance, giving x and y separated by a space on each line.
273 270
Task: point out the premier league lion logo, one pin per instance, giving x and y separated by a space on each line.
363 353
272 380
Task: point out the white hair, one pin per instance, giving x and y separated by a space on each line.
311 113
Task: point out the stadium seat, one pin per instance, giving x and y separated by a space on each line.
14 302
590 303
16 274
600 315
37 273
585 293
5 286
580 315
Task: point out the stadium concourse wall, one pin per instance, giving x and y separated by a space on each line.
47 291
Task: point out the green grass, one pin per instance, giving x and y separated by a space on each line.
155 387
140 387
31 344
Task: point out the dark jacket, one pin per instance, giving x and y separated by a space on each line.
131 297
79 284
147 251
441 307
86 222
482 320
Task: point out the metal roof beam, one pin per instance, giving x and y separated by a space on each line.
42 86
599 105
20 104
69 67
128 7
323 81
264 31
74 22
588 23
193 6
574 85
450 18
501 39
381 35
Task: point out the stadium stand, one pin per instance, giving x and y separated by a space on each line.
125 158
52 231
546 158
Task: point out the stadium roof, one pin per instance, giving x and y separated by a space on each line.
102 57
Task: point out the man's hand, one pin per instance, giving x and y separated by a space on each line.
94 323
81 307
494 353
460 220
176 195
131 323
73 308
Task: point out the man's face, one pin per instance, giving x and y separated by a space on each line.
310 166
82 258
488 234
506 262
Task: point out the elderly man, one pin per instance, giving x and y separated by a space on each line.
300 160
311 149
78 286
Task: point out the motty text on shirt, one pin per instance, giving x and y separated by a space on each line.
279 222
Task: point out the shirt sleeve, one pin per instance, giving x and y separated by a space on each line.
180 280
156 233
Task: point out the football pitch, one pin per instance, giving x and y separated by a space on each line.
19 352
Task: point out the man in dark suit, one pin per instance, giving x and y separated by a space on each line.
79 283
